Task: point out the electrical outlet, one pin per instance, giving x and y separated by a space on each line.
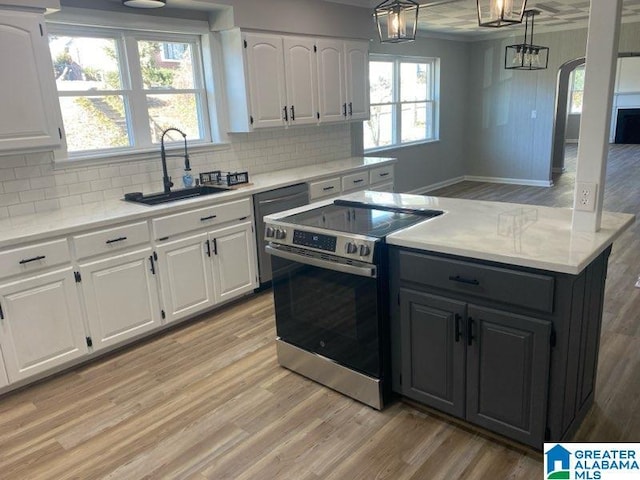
586 196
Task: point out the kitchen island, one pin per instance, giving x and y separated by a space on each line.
496 311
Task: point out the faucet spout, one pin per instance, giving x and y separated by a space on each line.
166 179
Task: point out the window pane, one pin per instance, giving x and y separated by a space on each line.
378 130
413 81
93 123
173 110
166 65
576 102
416 122
85 63
381 81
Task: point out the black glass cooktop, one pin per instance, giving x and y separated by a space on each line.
369 221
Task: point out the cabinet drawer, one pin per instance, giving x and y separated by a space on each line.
201 218
34 257
355 181
381 174
524 289
111 240
324 188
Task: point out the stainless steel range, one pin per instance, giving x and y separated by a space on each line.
330 289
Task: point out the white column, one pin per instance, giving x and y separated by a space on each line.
600 72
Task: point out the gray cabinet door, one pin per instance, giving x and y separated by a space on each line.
433 351
507 373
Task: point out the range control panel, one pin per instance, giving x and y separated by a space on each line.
355 247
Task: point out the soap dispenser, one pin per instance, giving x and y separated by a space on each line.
187 178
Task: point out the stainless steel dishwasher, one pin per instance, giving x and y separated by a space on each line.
266 203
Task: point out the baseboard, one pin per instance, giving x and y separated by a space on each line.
435 186
558 170
571 140
510 181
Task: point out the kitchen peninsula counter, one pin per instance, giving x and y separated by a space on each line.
515 234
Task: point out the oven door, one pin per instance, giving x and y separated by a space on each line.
329 307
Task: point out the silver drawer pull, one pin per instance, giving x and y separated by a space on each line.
119 239
468 281
34 259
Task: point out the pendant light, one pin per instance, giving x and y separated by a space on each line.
526 55
500 13
144 3
397 20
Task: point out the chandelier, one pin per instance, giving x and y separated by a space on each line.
500 13
526 55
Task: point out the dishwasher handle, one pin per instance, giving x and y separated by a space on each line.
283 199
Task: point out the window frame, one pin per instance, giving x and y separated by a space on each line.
134 94
433 97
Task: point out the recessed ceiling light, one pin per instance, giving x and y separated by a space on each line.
144 3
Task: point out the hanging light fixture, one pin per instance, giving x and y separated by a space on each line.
144 3
500 13
526 55
397 20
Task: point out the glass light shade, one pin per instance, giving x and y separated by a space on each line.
525 56
500 13
144 3
397 20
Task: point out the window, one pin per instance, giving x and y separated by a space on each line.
576 84
404 106
119 90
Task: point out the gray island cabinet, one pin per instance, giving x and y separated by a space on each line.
508 348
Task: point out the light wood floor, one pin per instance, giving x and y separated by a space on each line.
207 400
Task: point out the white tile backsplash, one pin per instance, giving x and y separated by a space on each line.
29 183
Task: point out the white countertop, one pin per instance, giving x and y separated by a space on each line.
29 228
526 235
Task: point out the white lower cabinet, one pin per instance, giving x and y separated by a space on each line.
185 276
234 257
41 324
4 380
121 297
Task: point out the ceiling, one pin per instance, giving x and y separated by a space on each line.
459 18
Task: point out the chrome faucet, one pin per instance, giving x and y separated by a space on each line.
166 179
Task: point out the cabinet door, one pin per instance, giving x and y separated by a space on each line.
265 66
4 380
121 297
301 72
185 276
357 79
41 325
234 254
433 351
331 78
30 110
507 373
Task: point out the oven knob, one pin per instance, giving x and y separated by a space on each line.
351 247
270 232
281 233
364 250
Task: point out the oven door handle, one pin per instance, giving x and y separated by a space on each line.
368 271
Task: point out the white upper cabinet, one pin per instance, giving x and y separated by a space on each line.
356 56
301 80
285 80
30 117
265 67
343 72
331 78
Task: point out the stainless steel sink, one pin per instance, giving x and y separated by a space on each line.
161 197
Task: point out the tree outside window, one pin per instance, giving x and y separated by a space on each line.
577 90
